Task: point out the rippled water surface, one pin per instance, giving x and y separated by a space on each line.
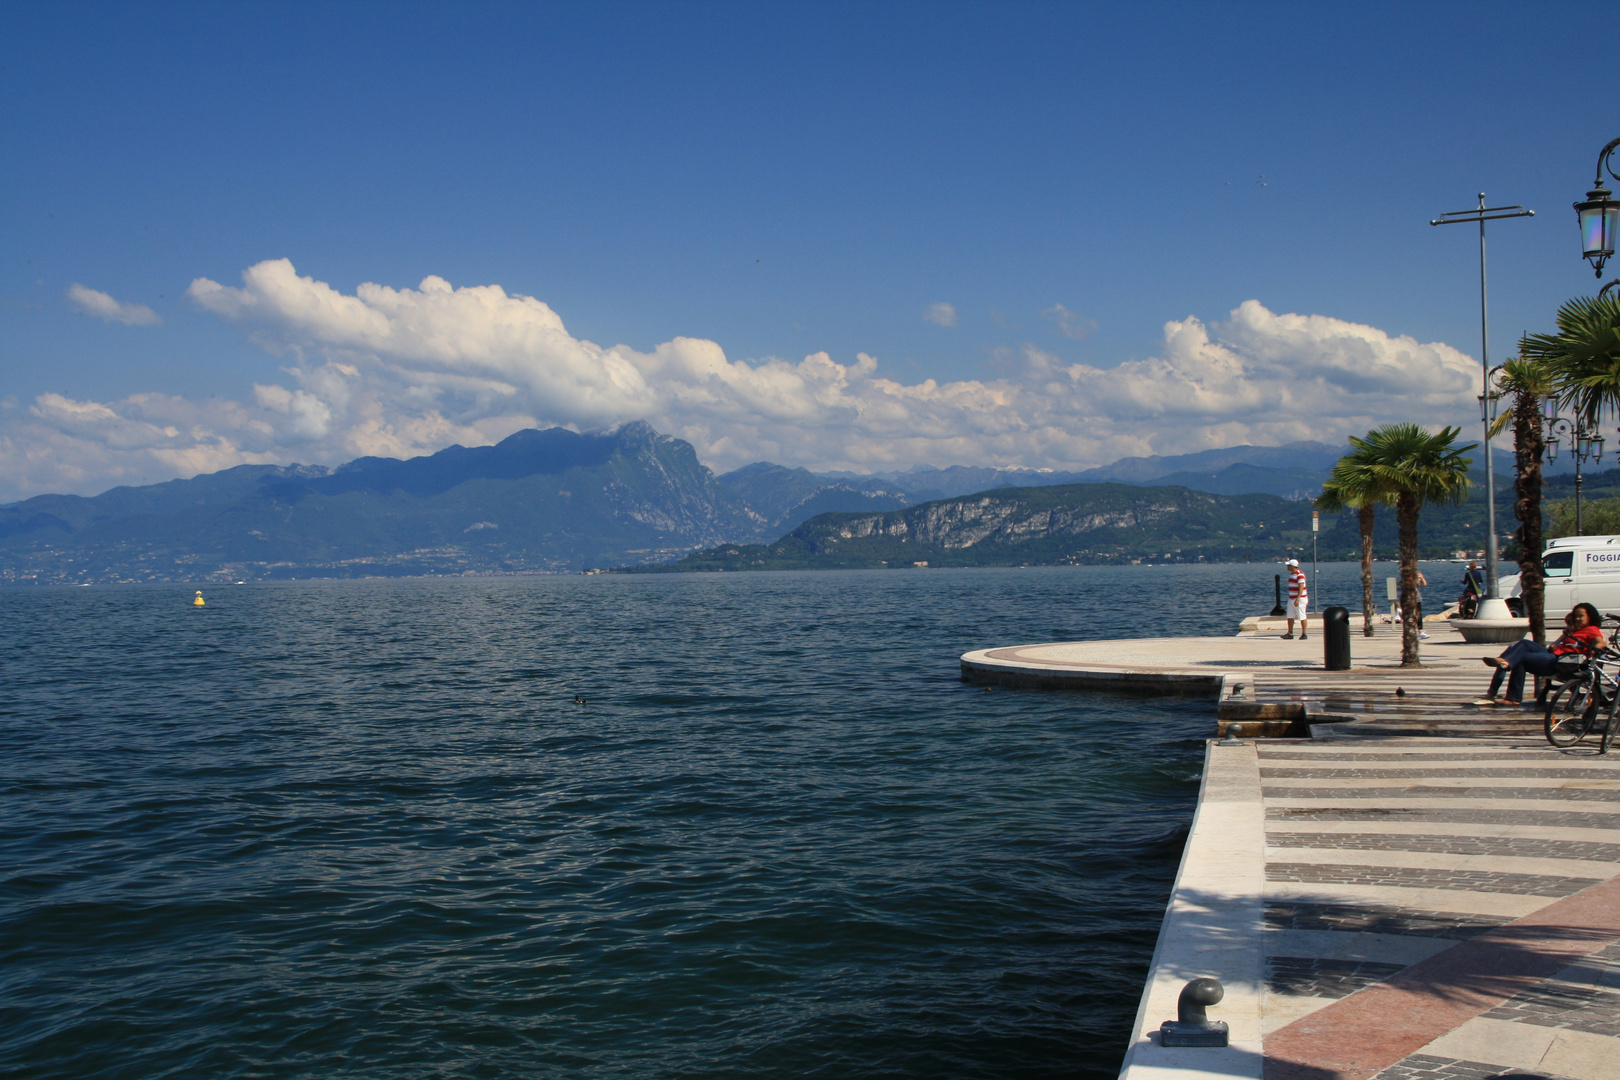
363 829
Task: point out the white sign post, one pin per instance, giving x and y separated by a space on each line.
1316 527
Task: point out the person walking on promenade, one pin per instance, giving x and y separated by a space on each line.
1299 599
1582 637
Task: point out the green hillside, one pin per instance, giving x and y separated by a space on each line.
1105 523
1067 524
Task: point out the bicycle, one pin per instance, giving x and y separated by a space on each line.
1574 706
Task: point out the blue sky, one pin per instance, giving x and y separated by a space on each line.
781 180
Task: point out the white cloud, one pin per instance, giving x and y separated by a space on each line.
102 306
1069 324
941 314
400 372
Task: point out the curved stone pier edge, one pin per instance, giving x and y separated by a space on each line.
980 667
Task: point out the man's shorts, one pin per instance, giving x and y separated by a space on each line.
1297 608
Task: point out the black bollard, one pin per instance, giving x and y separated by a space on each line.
1192 1025
1336 639
1277 611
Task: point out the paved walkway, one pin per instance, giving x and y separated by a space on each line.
1398 908
1379 903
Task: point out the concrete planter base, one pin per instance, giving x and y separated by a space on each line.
1484 631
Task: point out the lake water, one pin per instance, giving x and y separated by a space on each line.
363 828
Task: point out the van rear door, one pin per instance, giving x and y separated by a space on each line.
1558 569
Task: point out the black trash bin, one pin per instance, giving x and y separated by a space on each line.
1336 639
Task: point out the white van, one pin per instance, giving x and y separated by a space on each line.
1578 569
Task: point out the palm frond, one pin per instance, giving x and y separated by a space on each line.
1406 459
1583 356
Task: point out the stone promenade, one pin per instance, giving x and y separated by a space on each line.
1398 908
1424 890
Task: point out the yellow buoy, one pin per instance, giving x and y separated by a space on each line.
199 601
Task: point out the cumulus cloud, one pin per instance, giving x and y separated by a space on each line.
401 372
941 314
102 306
1069 324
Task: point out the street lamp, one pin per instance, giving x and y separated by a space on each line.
1599 215
1584 443
1492 606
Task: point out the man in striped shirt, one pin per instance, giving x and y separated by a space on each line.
1299 599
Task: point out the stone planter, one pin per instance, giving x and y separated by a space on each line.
1490 631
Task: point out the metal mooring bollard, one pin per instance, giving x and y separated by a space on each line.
1233 736
1336 639
1277 611
1192 1025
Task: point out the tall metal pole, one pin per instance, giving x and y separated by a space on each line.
1482 214
1578 531
1588 443
1492 592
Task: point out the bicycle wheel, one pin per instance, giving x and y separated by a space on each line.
1610 723
1571 712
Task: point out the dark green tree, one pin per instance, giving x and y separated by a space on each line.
1584 356
1352 486
1416 467
1528 383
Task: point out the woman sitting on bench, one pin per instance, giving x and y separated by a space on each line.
1582 637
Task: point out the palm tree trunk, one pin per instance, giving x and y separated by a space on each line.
1527 448
1406 519
1366 518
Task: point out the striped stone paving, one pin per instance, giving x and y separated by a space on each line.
1562 1023
1416 908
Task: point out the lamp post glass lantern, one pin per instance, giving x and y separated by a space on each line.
1599 215
1600 220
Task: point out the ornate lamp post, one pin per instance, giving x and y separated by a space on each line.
1584 443
1599 215
1492 606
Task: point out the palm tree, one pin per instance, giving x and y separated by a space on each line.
1416 467
1529 381
1584 356
1350 486
1583 361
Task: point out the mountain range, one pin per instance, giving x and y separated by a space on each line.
539 501
1292 471
561 501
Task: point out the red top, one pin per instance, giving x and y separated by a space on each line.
1586 641
1296 583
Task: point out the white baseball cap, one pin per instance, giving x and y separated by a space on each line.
1293 562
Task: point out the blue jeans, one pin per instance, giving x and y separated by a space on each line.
1524 656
